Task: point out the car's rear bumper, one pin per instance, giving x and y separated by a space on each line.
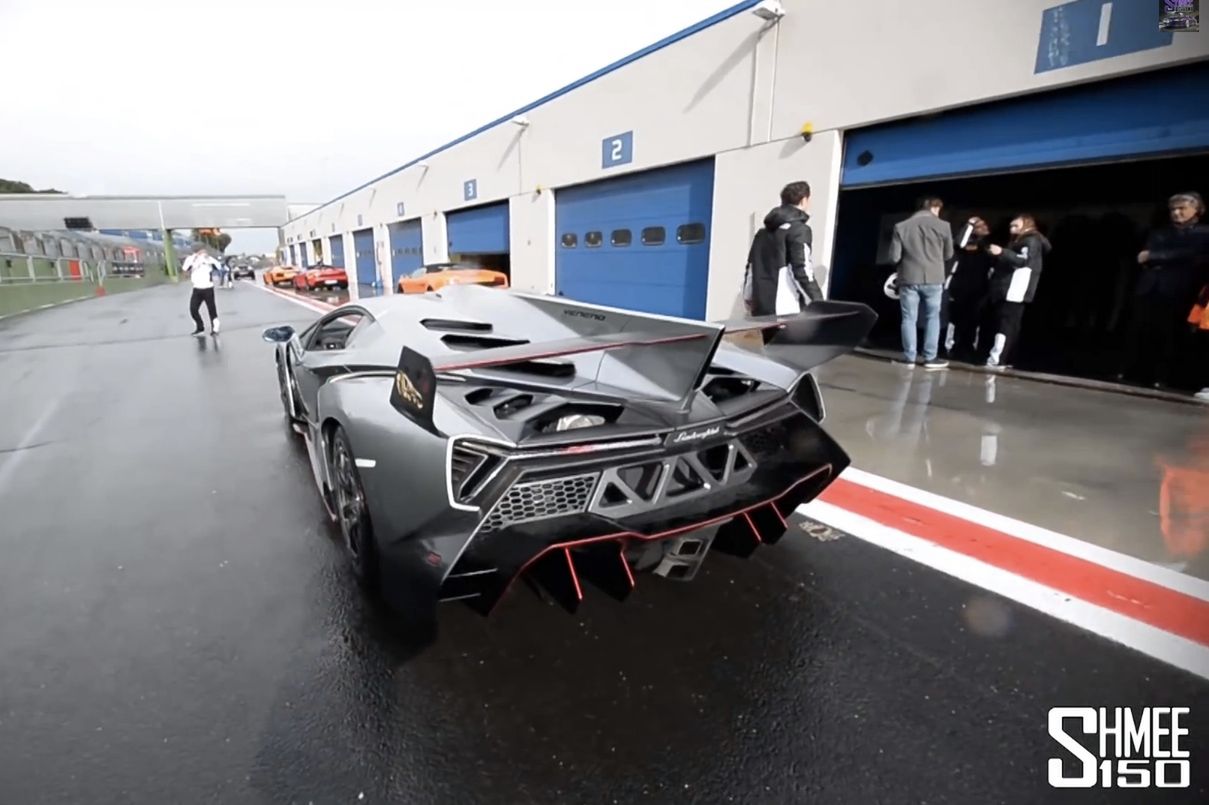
574 521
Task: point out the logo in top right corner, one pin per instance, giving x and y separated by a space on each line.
1180 15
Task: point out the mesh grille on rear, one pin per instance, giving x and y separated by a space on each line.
767 441
538 500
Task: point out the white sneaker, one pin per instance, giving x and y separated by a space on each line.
214 326
1203 394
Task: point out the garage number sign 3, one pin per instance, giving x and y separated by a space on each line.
617 150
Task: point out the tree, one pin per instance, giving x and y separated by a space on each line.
11 186
214 238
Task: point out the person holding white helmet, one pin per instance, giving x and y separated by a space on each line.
199 266
920 247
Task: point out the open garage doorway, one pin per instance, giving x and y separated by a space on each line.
479 236
1097 218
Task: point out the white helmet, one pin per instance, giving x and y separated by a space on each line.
890 287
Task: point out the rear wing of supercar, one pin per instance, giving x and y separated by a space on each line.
822 332
669 358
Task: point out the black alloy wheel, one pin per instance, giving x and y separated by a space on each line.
351 511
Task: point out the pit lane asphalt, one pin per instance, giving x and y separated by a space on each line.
177 625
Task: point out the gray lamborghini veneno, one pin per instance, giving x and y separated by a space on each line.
465 438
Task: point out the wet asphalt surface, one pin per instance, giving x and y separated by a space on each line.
177 625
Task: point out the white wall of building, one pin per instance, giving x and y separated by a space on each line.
384 258
900 59
747 184
531 229
350 262
741 89
435 230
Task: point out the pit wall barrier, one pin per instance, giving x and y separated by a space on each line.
32 282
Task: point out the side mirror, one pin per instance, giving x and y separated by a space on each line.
278 334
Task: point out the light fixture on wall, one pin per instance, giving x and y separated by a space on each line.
770 10
520 120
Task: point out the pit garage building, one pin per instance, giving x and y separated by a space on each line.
641 185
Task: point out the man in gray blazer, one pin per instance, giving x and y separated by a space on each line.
921 247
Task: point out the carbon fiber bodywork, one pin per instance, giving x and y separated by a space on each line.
693 444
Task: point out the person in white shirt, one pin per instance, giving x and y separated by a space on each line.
199 266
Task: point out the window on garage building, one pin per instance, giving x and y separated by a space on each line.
570 240
654 236
593 239
690 233
621 237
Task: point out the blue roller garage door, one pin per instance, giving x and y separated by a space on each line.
406 248
293 256
336 244
639 242
1155 113
302 255
480 230
363 244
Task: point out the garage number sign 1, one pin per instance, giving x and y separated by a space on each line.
1083 31
617 150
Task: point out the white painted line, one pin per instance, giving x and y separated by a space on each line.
48 304
1162 645
1129 565
368 463
17 456
1105 22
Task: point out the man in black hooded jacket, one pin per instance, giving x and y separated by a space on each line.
1175 266
1016 273
785 241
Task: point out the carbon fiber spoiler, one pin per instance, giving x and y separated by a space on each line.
822 332
645 355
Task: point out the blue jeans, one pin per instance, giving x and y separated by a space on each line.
909 297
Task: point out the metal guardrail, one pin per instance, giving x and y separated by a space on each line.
27 269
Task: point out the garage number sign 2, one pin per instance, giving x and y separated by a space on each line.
617 150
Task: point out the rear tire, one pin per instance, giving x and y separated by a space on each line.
352 511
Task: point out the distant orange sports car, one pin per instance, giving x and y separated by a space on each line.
280 275
435 276
321 276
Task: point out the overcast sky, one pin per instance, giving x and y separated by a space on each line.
299 97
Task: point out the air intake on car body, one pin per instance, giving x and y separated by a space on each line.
465 463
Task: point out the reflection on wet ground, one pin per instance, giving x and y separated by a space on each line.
1123 472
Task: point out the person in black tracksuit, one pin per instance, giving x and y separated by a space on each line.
785 242
967 288
1174 266
1016 274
